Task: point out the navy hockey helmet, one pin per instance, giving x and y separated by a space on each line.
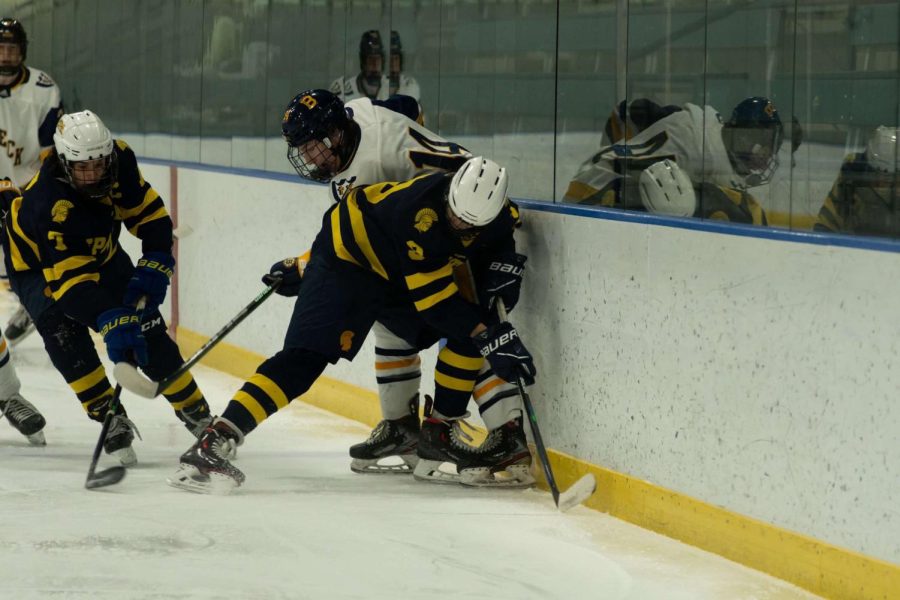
371 46
396 53
12 32
753 137
319 134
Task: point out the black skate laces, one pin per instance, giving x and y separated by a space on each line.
119 424
17 409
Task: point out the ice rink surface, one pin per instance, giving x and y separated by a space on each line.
304 526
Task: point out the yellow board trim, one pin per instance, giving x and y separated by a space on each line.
812 564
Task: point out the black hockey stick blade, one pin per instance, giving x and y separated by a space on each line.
132 380
110 476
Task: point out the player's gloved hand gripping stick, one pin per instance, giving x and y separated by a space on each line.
115 474
582 489
132 380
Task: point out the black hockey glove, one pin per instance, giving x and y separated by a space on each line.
288 271
503 278
508 357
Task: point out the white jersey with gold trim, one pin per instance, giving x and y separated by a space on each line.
29 111
691 137
392 148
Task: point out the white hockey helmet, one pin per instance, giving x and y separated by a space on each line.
881 151
667 190
477 191
82 136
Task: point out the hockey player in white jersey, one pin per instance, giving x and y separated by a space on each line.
30 108
366 142
724 158
372 82
19 412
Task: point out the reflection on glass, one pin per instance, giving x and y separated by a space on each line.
720 160
374 81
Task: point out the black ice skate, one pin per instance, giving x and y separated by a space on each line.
390 438
196 417
441 441
19 326
205 468
502 460
24 418
120 437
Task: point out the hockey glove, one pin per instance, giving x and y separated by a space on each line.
289 271
508 357
151 279
121 331
503 278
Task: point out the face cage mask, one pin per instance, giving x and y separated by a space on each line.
743 160
100 188
308 169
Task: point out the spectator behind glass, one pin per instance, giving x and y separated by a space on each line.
372 82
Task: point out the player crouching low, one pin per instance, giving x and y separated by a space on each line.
370 261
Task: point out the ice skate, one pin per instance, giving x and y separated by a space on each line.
502 460
24 418
196 417
119 439
442 445
205 468
390 438
19 326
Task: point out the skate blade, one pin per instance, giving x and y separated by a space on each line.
126 456
37 439
372 466
580 491
190 479
513 477
430 471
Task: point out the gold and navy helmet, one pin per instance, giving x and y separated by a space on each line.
12 32
316 115
753 137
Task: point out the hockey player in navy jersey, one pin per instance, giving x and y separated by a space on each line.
385 248
360 143
66 264
865 198
30 107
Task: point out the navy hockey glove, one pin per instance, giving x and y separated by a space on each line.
503 278
508 357
151 279
121 331
289 272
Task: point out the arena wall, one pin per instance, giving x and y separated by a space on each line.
733 387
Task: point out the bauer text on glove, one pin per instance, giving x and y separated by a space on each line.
121 331
508 357
151 279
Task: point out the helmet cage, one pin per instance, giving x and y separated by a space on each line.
316 116
100 188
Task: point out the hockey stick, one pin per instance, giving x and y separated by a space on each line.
131 379
582 489
111 475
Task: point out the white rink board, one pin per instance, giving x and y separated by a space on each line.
755 374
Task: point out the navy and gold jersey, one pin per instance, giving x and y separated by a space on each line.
54 230
862 201
399 231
